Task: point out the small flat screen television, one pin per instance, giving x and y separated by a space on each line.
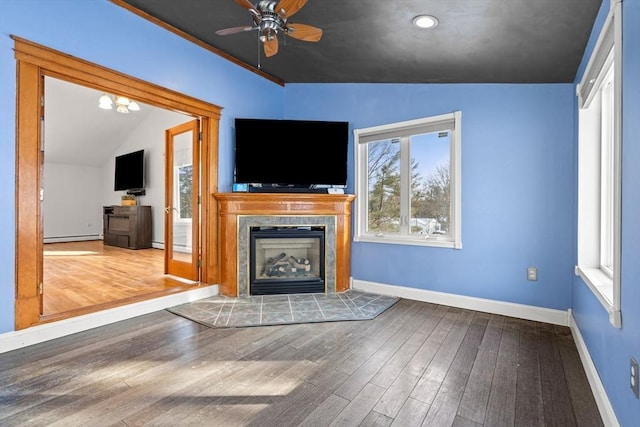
294 153
129 171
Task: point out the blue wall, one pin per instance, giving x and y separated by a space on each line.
108 35
611 348
517 186
518 159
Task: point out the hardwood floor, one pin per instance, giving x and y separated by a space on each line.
81 277
415 364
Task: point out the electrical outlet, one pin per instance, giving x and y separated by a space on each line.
532 273
633 377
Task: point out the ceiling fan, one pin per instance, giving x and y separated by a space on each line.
270 17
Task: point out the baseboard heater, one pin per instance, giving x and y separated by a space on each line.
65 239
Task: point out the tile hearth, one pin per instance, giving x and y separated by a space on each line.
221 311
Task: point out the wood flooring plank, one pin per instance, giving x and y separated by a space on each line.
431 380
464 422
583 403
376 419
367 347
95 363
555 394
358 409
445 404
352 386
412 413
149 387
326 412
300 402
220 382
529 404
501 404
473 404
403 385
385 376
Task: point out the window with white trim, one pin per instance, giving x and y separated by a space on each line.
408 182
599 168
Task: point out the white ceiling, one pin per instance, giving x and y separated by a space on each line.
76 131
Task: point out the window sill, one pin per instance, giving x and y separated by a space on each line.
409 242
602 287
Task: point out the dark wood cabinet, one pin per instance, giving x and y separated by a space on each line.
127 226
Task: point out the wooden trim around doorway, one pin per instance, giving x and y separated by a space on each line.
33 62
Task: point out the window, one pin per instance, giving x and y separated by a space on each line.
599 170
408 182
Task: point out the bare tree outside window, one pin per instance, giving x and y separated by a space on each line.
185 186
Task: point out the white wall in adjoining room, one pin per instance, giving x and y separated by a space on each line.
149 136
72 202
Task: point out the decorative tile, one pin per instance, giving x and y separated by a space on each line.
276 318
246 311
308 316
272 307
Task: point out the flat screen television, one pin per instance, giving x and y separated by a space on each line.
129 171
291 153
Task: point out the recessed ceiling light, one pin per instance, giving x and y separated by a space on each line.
425 21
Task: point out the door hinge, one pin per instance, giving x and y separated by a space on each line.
200 136
199 263
41 288
199 200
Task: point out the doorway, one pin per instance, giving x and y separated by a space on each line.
80 144
34 62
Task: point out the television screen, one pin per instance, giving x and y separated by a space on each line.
129 171
296 153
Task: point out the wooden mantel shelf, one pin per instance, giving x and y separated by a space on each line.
231 206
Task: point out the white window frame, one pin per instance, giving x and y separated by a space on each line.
599 168
449 121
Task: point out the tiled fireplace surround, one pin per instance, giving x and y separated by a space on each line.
237 212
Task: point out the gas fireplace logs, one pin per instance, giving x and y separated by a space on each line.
278 266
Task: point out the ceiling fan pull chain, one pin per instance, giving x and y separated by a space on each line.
258 39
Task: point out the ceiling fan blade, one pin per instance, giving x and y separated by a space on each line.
271 47
304 32
234 30
286 8
249 6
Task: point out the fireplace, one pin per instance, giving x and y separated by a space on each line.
238 212
286 259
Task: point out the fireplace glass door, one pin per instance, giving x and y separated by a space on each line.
285 260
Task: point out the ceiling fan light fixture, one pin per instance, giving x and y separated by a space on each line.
122 109
425 21
133 106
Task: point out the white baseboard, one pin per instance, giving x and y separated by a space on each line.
521 311
597 388
48 331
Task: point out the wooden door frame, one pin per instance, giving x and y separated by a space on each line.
33 63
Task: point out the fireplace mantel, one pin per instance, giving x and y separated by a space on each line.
232 206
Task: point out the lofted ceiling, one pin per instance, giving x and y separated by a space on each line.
373 41
77 132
